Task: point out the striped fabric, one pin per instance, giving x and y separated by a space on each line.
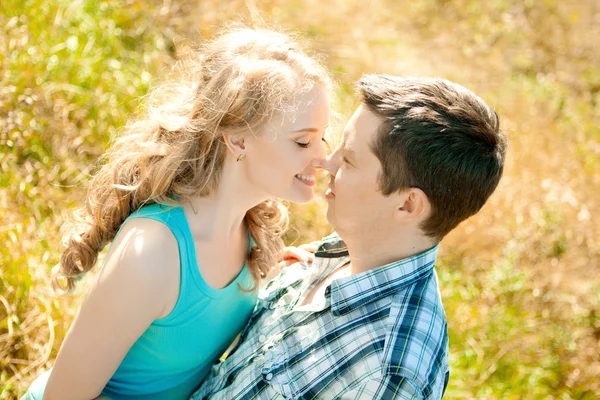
381 334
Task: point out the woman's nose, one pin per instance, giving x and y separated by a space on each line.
320 155
321 150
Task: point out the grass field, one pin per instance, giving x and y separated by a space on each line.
520 281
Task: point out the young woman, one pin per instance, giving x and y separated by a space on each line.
187 198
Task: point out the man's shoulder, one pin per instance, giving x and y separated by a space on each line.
416 345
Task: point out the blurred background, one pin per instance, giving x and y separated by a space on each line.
520 281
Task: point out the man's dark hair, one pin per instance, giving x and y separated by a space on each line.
439 137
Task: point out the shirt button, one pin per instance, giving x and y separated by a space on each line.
269 376
262 338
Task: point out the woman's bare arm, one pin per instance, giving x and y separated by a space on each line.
136 285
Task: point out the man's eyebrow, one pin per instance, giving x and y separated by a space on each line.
349 152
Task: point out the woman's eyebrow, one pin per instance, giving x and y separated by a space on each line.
306 130
313 130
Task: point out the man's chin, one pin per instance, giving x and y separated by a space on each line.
330 217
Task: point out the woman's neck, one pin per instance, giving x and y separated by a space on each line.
221 214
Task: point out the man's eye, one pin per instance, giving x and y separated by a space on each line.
304 145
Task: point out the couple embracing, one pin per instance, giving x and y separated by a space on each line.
189 200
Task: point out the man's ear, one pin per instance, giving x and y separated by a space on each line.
413 205
235 144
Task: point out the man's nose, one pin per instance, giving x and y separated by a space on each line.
331 164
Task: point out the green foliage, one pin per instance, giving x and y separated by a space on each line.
520 280
71 74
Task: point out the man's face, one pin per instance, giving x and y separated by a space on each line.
356 206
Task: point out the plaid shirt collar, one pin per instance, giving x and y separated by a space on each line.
348 293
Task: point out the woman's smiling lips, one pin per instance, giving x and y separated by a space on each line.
308 180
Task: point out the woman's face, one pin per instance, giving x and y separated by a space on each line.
282 161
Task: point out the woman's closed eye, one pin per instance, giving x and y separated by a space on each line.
304 145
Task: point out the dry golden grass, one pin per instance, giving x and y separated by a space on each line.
520 281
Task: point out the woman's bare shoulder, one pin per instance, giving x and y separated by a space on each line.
144 247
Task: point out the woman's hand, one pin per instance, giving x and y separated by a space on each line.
302 253
291 255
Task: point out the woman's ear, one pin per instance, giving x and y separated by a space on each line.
235 144
413 205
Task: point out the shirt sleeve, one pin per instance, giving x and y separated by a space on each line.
386 387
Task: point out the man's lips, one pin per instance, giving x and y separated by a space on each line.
329 193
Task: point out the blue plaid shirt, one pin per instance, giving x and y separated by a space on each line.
380 334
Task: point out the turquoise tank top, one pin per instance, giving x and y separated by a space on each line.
176 352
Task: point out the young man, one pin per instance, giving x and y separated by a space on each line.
365 320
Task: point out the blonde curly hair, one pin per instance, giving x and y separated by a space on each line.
235 84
